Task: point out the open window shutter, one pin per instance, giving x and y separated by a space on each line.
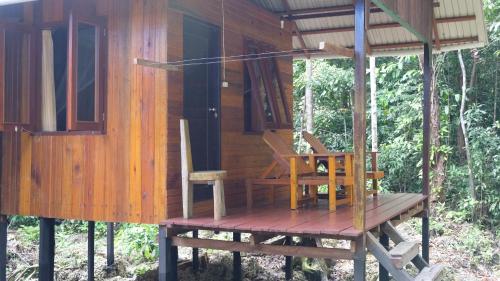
86 66
17 77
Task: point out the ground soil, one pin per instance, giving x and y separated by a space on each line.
216 265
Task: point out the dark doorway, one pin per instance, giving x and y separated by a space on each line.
202 97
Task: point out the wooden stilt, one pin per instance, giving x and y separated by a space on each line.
236 259
110 247
288 261
3 247
196 258
167 270
162 245
426 147
383 274
46 250
174 256
360 260
91 251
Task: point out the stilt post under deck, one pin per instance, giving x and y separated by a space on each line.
359 133
4 223
288 261
196 258
236 259
426 147
383 275
91 250
46 250
110 245
167 270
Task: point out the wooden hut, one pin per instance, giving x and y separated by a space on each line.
92 91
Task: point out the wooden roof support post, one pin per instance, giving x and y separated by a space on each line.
359 133
295 28
360 117
426 147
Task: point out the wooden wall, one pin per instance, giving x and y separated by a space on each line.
243 155
119 176
132 172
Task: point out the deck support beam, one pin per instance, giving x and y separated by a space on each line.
426 147
236 259
288 261
110 245
4 223
91 250
46 250
382 272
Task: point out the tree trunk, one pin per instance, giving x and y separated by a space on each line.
373 95
464 127
496 94
438 161
309 97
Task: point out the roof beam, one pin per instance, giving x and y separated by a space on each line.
436 34
383 25
332 11
418 43
336 50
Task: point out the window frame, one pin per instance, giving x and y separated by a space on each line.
264 65
6 125
72 122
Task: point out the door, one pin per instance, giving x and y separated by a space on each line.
202 97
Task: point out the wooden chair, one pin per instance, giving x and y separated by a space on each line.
290 168
189 177
318 147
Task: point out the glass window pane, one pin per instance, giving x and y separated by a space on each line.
282 110
262 91
17 80
86 73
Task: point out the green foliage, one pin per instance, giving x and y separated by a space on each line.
73 226
399 103
139 241
18 221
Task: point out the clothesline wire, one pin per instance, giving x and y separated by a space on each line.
235 57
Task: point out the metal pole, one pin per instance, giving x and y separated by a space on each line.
236 259
196 258
46 250
110 247
91 250
4 223
426 147
164 252
382 272
288 261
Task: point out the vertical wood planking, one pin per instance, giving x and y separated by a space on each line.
25 174
160 104
136 116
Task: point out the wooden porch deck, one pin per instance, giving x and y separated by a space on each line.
313 221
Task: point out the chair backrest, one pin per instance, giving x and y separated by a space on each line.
186 159
281 149
315 143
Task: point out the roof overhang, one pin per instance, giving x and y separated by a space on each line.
396 27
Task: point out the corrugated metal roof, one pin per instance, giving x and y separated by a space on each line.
460 25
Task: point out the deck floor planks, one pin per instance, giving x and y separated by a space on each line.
380 215
337 221
315 221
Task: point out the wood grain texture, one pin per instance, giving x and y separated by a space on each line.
415 15
131 173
